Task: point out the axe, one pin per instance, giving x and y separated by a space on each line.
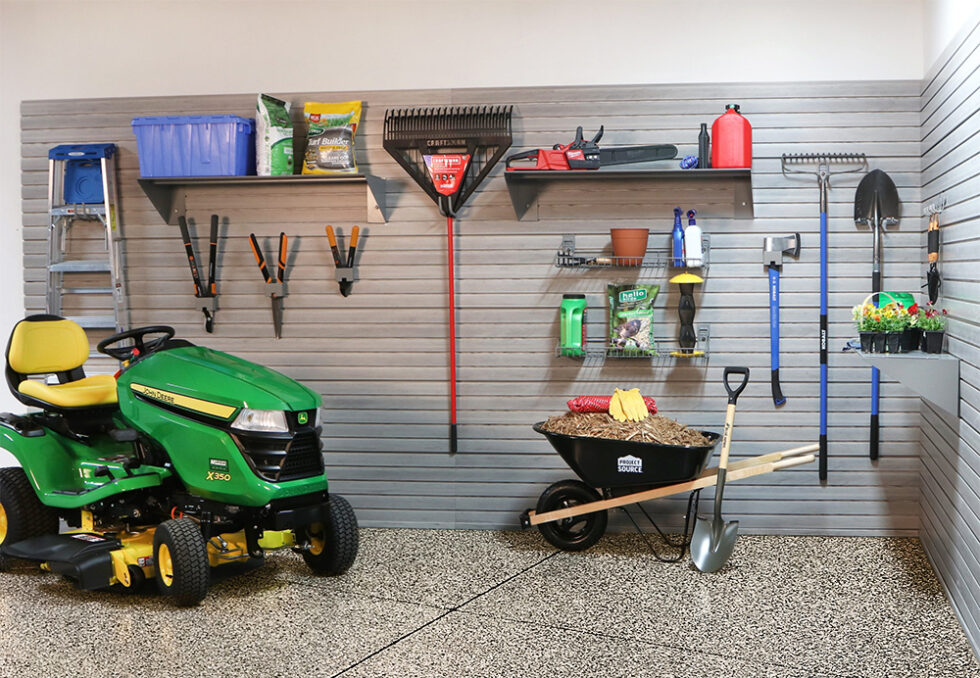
772 256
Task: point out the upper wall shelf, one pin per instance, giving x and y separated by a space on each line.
722 193
933 376
168 193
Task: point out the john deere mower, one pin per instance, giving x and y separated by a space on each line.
186 459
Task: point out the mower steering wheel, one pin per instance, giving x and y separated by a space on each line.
139 347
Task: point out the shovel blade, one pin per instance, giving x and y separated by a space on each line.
876 195
712 543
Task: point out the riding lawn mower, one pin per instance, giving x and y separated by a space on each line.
186 459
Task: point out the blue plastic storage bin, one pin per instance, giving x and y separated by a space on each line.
195 145
83 170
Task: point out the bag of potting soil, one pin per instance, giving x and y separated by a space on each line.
330 140
273 138
631 317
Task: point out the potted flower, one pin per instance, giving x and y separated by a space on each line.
932 322
893 324
869 326
913 333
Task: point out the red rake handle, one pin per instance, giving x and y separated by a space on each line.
452 340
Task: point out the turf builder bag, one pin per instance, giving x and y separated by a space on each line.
631 317
273 138
330 141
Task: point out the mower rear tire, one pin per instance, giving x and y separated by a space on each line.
181 560
334 542
22 515
578 532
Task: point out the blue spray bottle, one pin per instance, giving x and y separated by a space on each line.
677 236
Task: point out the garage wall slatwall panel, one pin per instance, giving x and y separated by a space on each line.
379 357
951 445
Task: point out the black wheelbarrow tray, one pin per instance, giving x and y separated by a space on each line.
572 514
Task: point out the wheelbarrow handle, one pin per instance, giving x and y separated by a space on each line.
734 393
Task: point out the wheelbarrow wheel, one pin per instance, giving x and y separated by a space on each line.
578 532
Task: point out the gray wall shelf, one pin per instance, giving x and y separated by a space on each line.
725 193
933 376
168 194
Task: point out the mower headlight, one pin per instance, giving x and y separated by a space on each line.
268 421
318 420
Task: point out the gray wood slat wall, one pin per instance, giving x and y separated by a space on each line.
950 472
379 357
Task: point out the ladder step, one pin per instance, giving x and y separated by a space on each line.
87 290
80 210
95 322
81 267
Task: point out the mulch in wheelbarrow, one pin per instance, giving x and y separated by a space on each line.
653 429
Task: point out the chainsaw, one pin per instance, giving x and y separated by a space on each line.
586 155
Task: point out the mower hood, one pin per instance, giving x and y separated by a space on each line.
214 383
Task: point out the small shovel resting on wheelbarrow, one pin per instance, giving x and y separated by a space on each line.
714 540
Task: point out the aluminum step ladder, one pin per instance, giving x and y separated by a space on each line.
82 186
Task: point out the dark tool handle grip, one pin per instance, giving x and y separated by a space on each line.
352 248
212 256
734 393
524 155
281 269
933 244
259 259
189 249
873 448
452 439
777 392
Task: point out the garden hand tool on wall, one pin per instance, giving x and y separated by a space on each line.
828 164
876 204
200 291
345 273
586 155
933 280
714 540
277 288
687 338
773 250
448 152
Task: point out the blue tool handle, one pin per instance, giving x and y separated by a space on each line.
875 381
777 393
822 461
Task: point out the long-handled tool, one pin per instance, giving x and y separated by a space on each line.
933 279
773 250
448 152
714 540
345 273
277 288
582 154
200 291
876 204
828 164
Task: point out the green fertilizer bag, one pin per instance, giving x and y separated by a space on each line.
631 318
273 138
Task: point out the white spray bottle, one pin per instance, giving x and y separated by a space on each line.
692 242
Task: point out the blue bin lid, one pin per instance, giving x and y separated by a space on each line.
81 151
192 120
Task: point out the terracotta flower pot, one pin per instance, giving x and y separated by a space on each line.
630 243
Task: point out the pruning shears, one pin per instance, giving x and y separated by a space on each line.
277 290
345 274
200 291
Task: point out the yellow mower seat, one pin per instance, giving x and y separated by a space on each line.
45 344
88 392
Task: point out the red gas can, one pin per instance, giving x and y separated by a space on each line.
731 140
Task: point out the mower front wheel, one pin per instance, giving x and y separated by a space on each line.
181 560
333 543
578 532
22 515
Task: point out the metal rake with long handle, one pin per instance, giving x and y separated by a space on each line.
828 164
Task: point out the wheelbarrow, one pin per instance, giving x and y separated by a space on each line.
572 514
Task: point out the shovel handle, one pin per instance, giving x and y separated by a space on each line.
734 393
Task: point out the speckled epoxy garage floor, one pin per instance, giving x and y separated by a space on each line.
422 603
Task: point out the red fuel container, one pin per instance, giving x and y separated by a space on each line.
731 140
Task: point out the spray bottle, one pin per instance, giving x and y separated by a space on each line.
692 241
677 236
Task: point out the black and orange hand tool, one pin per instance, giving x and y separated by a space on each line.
277 290
211 291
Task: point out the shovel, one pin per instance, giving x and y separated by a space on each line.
714 540
876 204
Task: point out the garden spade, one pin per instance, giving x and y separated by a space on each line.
876 204
714 540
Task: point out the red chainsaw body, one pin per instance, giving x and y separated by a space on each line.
561 158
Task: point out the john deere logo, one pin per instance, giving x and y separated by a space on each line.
632 296
302 417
